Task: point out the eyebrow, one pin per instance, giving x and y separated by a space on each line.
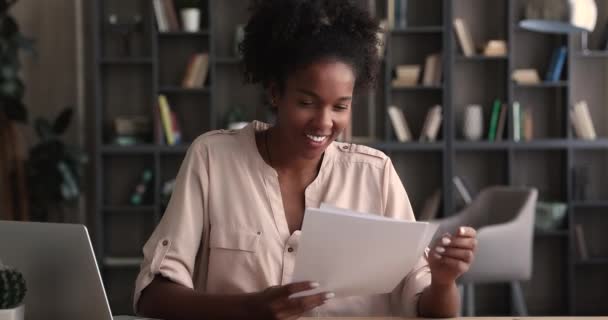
310 93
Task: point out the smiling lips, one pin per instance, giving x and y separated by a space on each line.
317 139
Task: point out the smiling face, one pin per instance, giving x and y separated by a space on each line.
314 107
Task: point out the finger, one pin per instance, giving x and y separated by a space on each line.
462 243
295 287
454 264
465 231
300 305
455 253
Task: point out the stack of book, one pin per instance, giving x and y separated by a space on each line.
167 126
498 118
523 124
130 130
397 14
430 128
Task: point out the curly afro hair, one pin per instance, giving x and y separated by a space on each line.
283 35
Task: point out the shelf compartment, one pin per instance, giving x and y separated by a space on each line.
589 176
538 168
409 166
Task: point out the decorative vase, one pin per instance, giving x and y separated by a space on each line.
472 123
191 19
17 313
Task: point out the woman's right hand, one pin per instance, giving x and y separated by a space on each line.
274 302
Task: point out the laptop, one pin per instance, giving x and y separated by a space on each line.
60 270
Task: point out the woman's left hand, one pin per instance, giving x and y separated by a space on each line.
452 255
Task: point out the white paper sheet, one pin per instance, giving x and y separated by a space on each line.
356 254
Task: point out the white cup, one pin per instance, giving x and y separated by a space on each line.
191 19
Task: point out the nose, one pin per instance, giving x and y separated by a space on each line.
323 120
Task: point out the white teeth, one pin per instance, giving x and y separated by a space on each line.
316 138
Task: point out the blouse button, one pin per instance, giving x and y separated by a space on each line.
290 249
165 243
345 147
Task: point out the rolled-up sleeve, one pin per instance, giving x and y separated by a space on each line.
172 248
404 298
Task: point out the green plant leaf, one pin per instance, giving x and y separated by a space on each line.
62 122
43 128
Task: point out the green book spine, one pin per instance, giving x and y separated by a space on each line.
494 120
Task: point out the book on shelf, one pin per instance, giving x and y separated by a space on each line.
430 208
399 123
527 125
558 59
400 14
465 39
196 71
525 76
463 191
581 121
502 120
431 125
390 14
161 18
581 244
432 70
130 130
159 135
170 15
516 122
494 120
169 121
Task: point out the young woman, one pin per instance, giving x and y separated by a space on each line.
226 245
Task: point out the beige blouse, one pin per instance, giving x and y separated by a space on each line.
225 231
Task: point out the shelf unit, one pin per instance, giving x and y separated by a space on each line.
129 85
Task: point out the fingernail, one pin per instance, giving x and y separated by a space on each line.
462 231
445 241
329 295
437 256
440 249
314 284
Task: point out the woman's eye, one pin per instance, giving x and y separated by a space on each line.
306 103
341 107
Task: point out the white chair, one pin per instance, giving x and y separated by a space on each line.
504 219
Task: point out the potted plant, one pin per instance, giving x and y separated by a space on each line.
12 293
190 12
53 169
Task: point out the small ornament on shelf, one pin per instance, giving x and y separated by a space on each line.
472 122
126 29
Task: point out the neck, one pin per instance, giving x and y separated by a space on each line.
284 159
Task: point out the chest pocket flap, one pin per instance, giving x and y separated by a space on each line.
235 239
